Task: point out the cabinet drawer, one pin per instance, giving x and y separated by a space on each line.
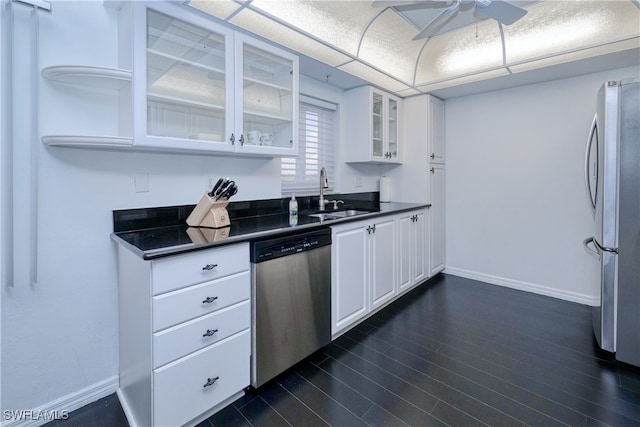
183 270
179 388
188 303
173 343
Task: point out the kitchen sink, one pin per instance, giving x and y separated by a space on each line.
339 214
349 212
324 216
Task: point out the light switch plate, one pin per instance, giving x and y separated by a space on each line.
141 182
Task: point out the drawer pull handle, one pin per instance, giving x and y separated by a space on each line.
209 300
210 382
209 332
209 267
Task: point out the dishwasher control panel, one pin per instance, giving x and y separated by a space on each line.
265 250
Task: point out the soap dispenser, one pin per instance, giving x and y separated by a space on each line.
293 210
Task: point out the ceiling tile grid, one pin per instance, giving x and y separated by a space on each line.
376 43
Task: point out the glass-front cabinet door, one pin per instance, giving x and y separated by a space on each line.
188 83
392 117
377 123
268 112
384 127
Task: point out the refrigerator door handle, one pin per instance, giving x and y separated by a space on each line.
587 158
595 252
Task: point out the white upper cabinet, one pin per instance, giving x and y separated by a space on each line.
436 131
199 86
187 84
373 132
267 107
183 81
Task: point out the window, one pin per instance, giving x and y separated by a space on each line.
316 149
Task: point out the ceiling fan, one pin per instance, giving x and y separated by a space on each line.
500 10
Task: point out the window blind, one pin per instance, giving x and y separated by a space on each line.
316 147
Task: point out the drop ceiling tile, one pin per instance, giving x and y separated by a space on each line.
553 27
373 76
339 23
256 23
219 8
387 44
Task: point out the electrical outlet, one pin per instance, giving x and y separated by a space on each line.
210 183
358 181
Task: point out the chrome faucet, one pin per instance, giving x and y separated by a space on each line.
324 183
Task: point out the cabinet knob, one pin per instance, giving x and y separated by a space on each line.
209 300
242 139
433 156
210 382
209 333
233 139
433 170
209 267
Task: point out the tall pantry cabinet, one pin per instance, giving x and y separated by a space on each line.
420 179
437 183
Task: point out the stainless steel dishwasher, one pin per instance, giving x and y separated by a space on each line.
291 301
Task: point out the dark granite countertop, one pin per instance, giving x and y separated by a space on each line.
158 232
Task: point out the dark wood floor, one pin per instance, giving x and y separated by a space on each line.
453 352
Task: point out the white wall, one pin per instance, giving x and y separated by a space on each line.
60 335
516 205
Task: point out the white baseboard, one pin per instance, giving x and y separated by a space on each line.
126 408
67 403
524 286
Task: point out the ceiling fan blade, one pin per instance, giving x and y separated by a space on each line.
389 3
500 10
410 4
438 22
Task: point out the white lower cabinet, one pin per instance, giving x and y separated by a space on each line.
373 262
201 380
349 276
437 218
382 248
363 271
413 249
173 343
185 341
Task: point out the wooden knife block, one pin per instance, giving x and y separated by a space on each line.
200 235
209 213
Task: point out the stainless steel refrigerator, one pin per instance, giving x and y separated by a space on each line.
612 177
